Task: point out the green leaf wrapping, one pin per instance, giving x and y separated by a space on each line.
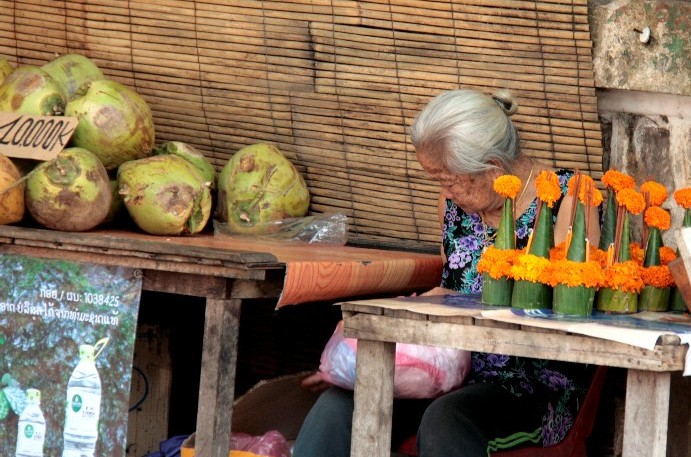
654 298
543 233
609 224
652 248
496 291
576 252
625 244
506 233
617 301
687 218
573 301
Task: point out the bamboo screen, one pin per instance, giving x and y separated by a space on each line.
335 84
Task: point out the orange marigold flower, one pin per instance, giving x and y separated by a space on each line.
573 274
617 180
625 276
558 252
657 276
667 254
528 267
633 201
497 262
547 187
656 193
657 217
637 253
588 194
507 186
683 197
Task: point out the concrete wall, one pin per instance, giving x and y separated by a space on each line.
644 91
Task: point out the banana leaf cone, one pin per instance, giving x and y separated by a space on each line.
619 301
498 291
676 301
609 223
653 298
575 300
536 295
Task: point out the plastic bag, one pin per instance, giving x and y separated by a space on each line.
270 444
420 371
320 228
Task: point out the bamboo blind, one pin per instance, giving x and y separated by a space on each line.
335 84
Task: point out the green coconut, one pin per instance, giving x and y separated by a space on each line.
258 185
30 90
5 68
165 195
70 193
71 71
11 192
114 122
192 155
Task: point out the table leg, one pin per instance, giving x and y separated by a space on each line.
217 381
371 436
646 413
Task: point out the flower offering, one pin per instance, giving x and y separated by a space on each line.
683 198
656 276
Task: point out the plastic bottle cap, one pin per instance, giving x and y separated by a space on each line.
33 395
86 352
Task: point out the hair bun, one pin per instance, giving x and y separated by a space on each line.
506 101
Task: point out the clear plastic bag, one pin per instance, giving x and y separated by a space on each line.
319 228
270 444
420 371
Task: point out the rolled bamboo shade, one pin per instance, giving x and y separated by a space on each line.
335 84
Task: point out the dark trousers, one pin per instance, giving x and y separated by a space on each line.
458 424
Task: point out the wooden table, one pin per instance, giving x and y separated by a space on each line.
380 323
226 271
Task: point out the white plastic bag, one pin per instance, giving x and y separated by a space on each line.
420 371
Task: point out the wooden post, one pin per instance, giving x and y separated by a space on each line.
647 402
217 381
372 415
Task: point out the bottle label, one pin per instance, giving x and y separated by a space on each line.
83 409
30 439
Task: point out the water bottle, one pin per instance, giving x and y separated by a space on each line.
83 406
32 427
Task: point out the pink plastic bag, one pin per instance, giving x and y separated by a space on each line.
270 444
420 371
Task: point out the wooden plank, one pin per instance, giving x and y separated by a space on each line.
217 379
647 396
569 348
371 430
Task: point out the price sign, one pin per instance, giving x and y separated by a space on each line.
67 330
34 137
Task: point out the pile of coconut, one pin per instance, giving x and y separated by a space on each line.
112 162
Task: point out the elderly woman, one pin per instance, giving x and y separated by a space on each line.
464 140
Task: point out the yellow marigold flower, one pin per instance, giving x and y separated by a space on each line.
573 274
528 267
507 186
633 201
617 180
667 254
588 194
656 193
657 276
657 217
625 276
497 262
637 253
683 197
547 187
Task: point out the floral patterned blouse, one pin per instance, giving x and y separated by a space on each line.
464 237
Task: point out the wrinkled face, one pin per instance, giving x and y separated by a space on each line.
472 192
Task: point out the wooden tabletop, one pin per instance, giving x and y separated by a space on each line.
310 272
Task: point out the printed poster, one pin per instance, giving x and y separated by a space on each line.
51 311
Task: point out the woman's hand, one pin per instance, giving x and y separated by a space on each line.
440 291
314 383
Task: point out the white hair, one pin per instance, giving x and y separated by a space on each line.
464 130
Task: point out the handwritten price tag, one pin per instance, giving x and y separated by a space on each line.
34 137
